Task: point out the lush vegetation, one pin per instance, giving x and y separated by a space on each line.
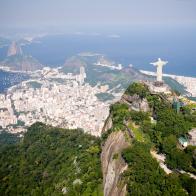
188 184
50 160
138 89
144 175
169 127
139 117
119 113
8 138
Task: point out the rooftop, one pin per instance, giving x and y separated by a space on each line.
182 140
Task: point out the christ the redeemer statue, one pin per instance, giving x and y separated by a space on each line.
159 65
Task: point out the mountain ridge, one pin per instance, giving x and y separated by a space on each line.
127 165
104 75
21 63
16 60
143 134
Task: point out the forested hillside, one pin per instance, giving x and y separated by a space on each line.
54 161
51 161
156 129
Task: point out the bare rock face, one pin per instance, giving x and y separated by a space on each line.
131 99
144 106
21 63
113 165
136 103
14 49
17 61
108 124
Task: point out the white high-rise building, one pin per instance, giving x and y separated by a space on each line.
82 72
82 75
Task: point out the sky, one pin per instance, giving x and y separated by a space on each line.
64 14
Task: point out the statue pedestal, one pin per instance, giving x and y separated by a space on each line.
158 84
158 87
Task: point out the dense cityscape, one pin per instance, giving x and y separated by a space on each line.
57 99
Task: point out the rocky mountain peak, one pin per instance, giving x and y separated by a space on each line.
14 49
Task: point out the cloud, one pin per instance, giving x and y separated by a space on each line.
79 33
114 36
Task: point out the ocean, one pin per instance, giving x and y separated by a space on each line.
8 79
136 46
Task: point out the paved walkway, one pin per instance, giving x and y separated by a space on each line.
161 160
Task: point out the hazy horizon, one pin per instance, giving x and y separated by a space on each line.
128 31
66 16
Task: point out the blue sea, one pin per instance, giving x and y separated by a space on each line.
136 46
8 79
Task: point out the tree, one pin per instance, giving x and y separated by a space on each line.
145 177
138 88
49 159
188 184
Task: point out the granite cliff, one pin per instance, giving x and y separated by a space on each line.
14 49
17 61
138 123
113 164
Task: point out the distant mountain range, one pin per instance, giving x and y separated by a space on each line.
98 67
118 79
114 78
14 49
17 61
21 63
